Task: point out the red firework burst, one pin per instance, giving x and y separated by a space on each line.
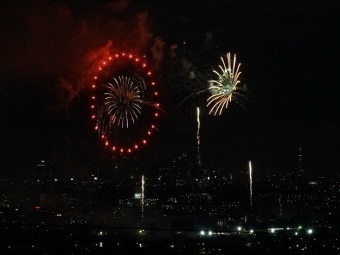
124 103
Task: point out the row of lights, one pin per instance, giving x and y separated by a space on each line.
251 231
273 230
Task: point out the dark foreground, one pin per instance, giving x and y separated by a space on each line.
42 239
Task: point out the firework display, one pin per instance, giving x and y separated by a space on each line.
223 88
124 102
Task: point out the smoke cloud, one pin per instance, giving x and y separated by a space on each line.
62 41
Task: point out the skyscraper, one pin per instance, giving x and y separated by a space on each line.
301 182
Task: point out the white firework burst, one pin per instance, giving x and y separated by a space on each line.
122 101
223 87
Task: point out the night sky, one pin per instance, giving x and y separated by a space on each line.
288 49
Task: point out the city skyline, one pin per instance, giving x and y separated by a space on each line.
101 213
288 54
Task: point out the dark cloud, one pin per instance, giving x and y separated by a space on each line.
56 40
118 5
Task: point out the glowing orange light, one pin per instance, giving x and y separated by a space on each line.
136 146
94 86
93 116
144 141
93 97
149 73
144 65
157 104
104 62
130 56
114 148
102 136
100 68
117 55
110 58
153 83
106 143
96 127
156 114
137 59
156 93
92 106
152 126
149 133
95 77
129 150
122 150
123 54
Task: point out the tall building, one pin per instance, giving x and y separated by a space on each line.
302 183
43 170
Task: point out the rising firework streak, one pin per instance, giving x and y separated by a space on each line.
250 185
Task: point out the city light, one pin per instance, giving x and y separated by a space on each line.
310 231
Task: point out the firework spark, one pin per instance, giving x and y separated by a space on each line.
223 87
142 198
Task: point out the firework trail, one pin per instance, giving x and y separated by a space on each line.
142 199
250 185
198 138
224 87
141 231
191 89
